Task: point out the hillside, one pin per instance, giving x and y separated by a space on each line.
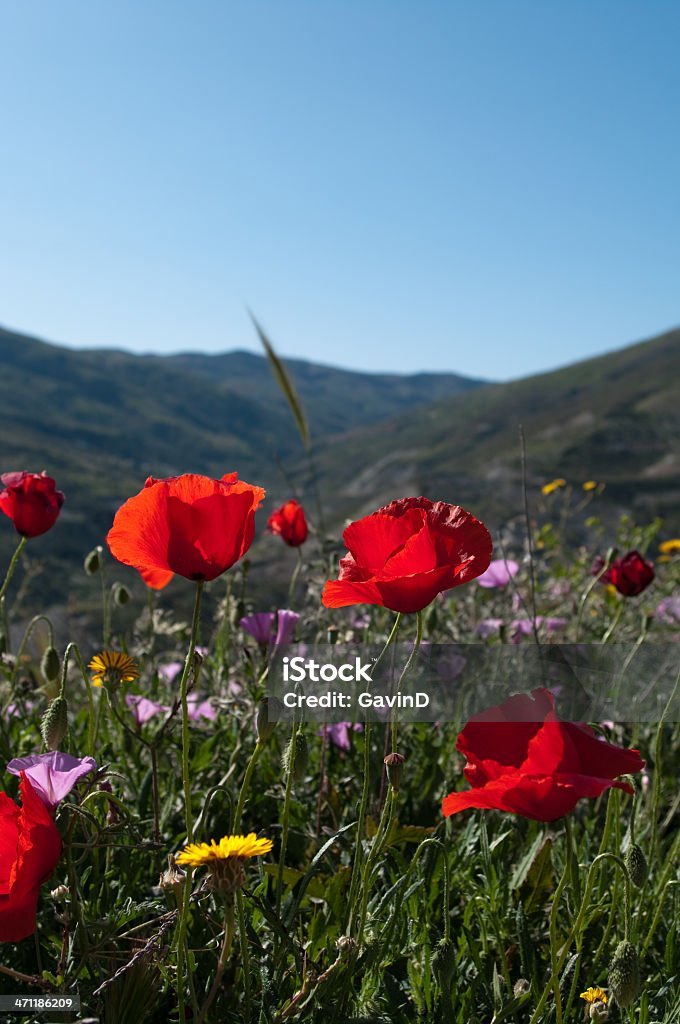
615 419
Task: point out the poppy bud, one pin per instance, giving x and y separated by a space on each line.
624 974
636 862
120 594
54 723
263 726
50 664
443 963
93 561
296 756
394 764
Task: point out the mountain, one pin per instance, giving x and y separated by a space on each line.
101 421
615 419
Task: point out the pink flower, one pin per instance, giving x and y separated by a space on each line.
499 573
142 708
487 627
668 610
52 775
338 733
200 708
271 627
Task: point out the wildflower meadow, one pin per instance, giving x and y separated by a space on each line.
185 837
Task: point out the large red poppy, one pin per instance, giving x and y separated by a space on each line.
191 525
406 553
30 846
523 759
630 575
31 500
289 523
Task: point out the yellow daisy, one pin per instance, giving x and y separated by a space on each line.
554 485
668 547
113 667
590 485
225 859
594 995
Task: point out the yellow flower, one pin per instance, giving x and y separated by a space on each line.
553 485
668 547
594 995
113 667
225 859
590 485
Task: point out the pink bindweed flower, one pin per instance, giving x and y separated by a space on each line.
169 672
487 627
338 733
499 573
15 710
668 610
271 627
524 627
200 708
52 775
142 708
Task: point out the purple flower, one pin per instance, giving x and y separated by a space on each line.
499 573
170 671
14 710
142 708
668 610
338 733
271 627
52 775
200 708
524 627
487 627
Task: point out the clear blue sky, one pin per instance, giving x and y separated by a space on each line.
489 186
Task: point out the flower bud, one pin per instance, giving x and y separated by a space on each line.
394 764
50 664
263 726
332 634
624 974
443 963
93 561
120 594
296 756
62 892
54 723
636 862
346 946
598 1011
521 987
173 877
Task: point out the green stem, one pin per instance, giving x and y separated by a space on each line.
407 666
222 962
184 910
358 854
286 815
27 633
295 576
245 785
12 566
376 847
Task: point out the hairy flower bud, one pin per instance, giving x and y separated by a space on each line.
50 664
296 756
264 727
93 561
394 764
624 974
54 723
636 862
443 962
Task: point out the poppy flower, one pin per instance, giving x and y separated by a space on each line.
406 553
30 846
521 758
191 525
630 575
31 500
289 523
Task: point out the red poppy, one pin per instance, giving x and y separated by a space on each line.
523 759
30 846
406 553
31 500
191 525
630 575
289 523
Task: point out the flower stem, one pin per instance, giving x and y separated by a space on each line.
245 785
222 962
407 666
12 566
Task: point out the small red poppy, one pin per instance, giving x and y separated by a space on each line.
630 575
31 500
191 525
30 846
289 523
521 758
406 553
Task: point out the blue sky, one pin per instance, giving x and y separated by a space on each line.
489 187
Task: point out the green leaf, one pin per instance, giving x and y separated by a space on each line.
285 383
